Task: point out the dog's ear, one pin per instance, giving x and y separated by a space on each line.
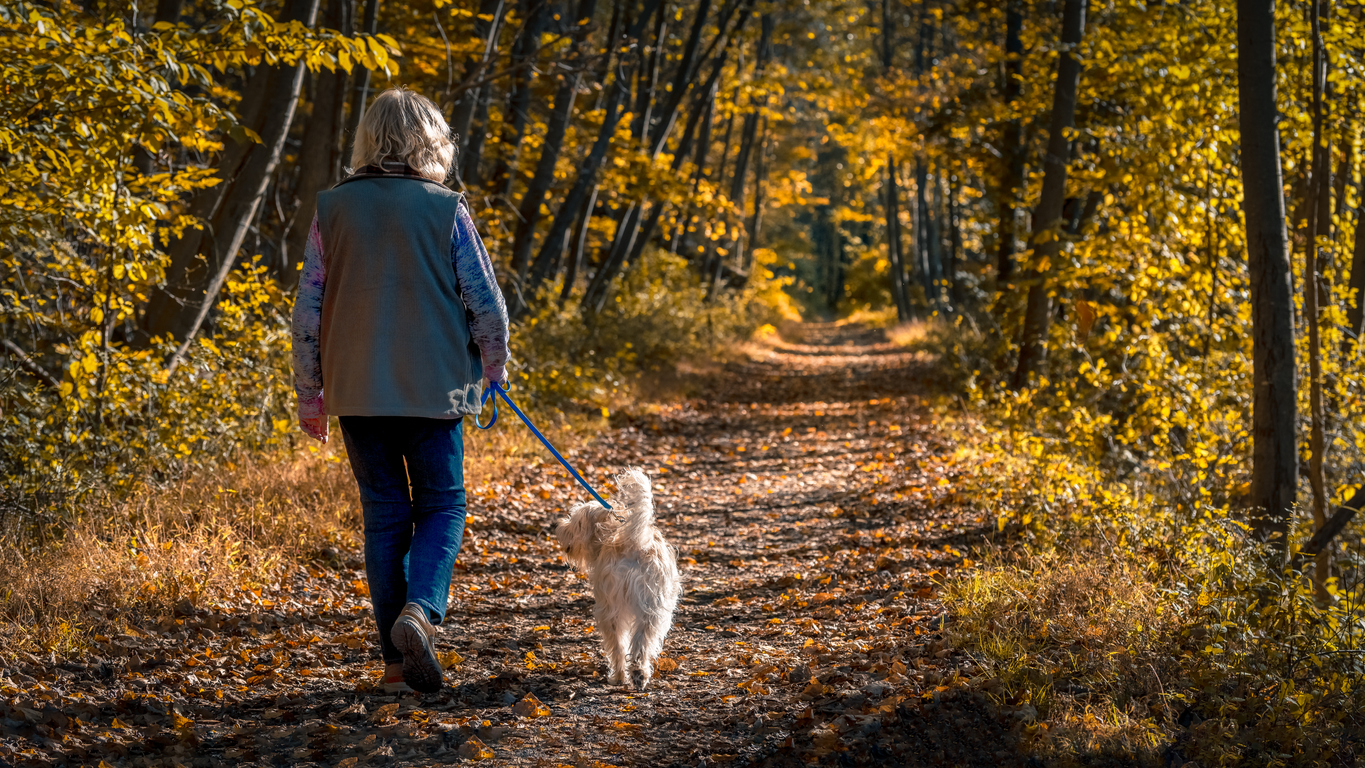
576 533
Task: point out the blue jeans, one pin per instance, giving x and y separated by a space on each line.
411 476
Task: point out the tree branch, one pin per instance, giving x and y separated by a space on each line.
1334 525
28 364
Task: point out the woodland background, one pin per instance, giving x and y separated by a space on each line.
1051 192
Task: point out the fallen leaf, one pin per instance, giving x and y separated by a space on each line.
530 706
384 712
473 749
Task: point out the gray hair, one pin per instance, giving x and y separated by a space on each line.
404 126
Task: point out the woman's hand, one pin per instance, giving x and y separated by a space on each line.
313 417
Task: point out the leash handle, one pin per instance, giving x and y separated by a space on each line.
484 401
500 388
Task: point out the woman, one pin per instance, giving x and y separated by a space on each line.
397 319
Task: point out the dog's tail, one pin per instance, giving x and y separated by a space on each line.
636 497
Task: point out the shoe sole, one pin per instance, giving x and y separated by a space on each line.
421 669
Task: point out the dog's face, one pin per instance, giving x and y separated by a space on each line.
579 535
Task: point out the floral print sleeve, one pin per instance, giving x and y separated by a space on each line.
481 294
307 327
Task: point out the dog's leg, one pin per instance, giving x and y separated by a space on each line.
641 665
645 644
612 647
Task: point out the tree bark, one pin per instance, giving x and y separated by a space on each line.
760 176
1047 217
202 259
578 246
649 80
899 290
1319 225
926 234
1012 145
169 10
1355 312
1275 460
361 96
956 294
320 159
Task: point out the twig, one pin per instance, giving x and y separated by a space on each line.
28 364
1334 525
450 68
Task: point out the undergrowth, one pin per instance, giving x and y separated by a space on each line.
1127 615
210 538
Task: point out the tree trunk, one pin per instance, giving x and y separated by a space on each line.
748 134
649 80
586 182
1355 312
1319 225
1012 145
698 168
545 167
925 235
899 290
320 158
578 246
595 295
467 101
361 97
1275 460
956 293
760 177
592 164
202 259
517 108
1344 171
630 239
1047 231
169 10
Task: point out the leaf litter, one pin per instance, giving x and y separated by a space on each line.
811 503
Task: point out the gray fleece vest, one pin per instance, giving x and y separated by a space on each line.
395 336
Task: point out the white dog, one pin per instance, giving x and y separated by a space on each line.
634 575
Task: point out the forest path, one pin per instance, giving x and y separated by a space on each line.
810 500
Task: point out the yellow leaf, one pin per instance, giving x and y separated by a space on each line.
473 749
530 706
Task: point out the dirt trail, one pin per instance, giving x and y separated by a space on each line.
809 498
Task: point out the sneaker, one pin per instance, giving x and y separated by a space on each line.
412 634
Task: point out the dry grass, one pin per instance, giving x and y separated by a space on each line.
208 538
1085 640
911 334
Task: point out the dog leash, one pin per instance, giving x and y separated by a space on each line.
501 389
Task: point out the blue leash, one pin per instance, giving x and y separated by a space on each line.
501 389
